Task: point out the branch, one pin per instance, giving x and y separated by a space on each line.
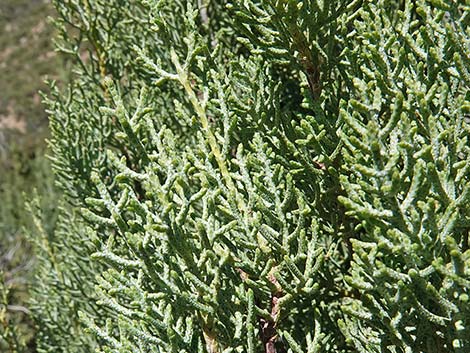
18 308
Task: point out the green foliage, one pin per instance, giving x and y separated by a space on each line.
62 284
26 56
20 175
260 176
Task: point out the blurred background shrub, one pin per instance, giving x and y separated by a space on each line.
27 59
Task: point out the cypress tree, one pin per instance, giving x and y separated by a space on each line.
259 176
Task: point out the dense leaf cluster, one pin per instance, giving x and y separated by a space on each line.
260 176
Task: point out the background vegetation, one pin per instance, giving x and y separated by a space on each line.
27 58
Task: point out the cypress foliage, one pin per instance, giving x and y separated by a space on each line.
260 176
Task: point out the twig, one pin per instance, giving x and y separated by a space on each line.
18 308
